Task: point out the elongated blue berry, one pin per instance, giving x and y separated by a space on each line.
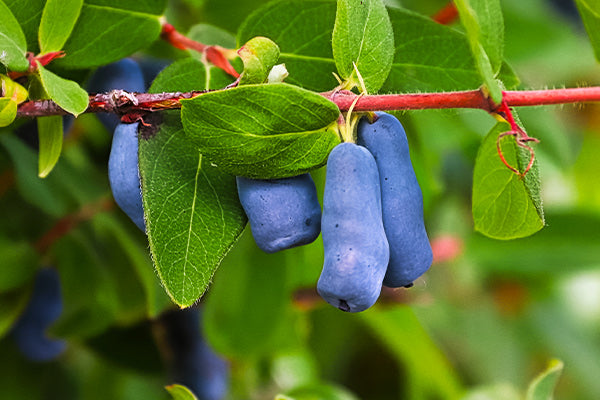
401 198
283 213
192 361
356 249
124 74
123 172
44 308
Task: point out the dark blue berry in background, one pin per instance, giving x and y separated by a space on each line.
44 308
356 248
401 199
125 74
283 213
191 361
123 172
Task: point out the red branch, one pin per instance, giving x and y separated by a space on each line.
122 102
214 54
69 222
43 59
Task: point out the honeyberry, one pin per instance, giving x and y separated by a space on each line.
401 199
193 362
283 213
356 248
44 308
123 172
124 74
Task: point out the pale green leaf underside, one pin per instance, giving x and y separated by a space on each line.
192 211
484 26
262 131
542 387
13 44
58 20
505 206
363 35
50 133
8 111
179 392
590 14
66 93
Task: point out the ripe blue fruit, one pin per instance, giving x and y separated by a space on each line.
193 363
44 307
283 213
401 199
124 74
123 172
356 248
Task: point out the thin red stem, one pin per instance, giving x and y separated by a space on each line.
130 102
214 54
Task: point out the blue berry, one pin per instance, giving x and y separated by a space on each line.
123 172
44 308
283 213
401 198
356 248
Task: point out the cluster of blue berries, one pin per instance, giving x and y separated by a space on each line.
372 221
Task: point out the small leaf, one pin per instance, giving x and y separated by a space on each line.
67 94
542 387
193 215
484 26
494 392
12 89
259 55
11 306
505 206
363 35
8 111
262 131
50 133
318 392
179 392
58 20
13 44
590 14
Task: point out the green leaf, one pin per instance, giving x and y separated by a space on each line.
430 374
212 35
89 295
13 90
50 133
179 392
590 14
542 387
13 44
192 210
19 262
259 279
138 259
495 392
11 306
432 57
259 55
58 20
302 30
155 7
29 14
67 94
363 35
262 131
318 392
484 26
505 206
104 34
8 111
